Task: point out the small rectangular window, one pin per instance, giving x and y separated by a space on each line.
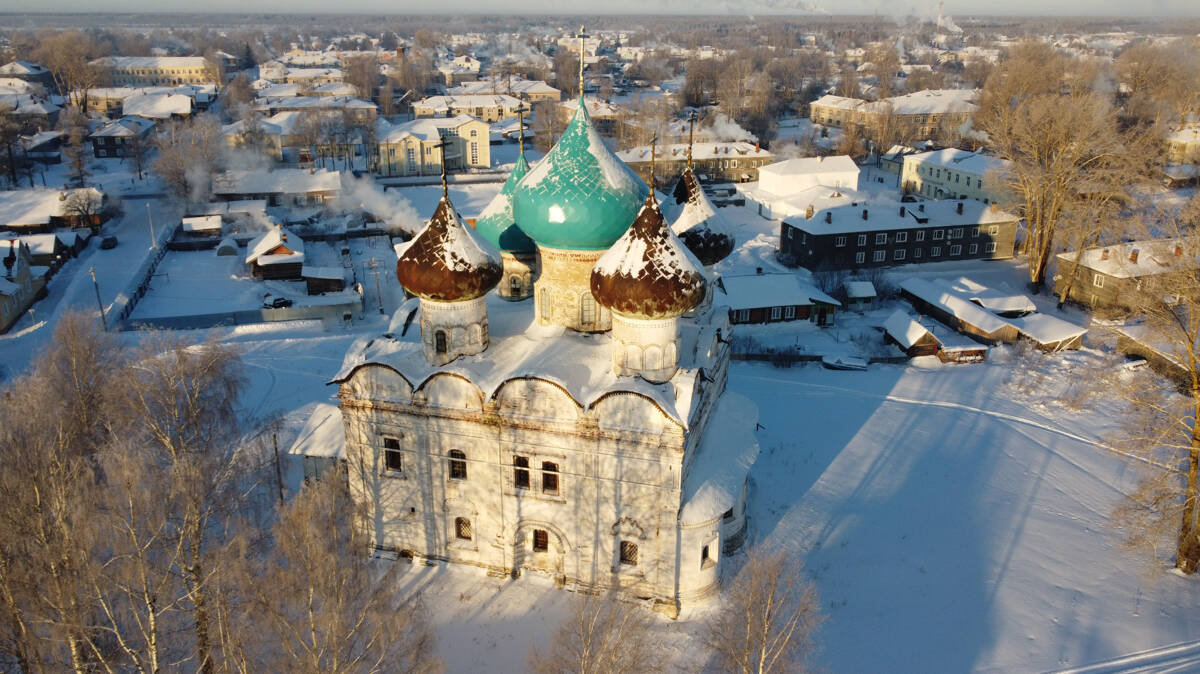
920 235
549 477
879 256
936 251
939 234
860 257
840 242
462 528
917 253
743 315
705 559
541 540
776 312
1098 281
901 237
974 231
862 239
629 553
458 465
880 239
993 229
957 233
521 472
973 249
898 254
989 247
956 249
789 313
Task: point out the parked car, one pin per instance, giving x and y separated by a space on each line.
278 303
108 243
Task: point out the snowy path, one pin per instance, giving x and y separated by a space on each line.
1176 658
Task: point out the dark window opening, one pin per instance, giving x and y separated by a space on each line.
393 460
439 341
704 558
521 472
549 477
541 540
462 528
458 465
629 553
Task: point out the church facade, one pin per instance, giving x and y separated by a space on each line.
588 437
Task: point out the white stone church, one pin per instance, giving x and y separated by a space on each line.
588 436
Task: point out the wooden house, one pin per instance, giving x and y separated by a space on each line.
772 298
323 279
1108 279
276 254
961 314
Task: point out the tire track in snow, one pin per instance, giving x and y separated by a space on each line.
1181 657
1026 421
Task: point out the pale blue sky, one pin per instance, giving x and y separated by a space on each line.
732 7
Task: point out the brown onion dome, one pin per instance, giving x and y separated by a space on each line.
701 228
648 273
447 261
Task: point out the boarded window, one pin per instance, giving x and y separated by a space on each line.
458 465
462 528
549 477
629 553
541 540
521 472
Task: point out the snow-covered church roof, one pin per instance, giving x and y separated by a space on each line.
447 261
579 364
701 228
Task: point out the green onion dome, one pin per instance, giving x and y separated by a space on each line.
580 196
497 223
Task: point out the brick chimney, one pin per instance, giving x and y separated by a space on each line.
1104 254
1178 250
828 217
903 212
1133 255
864 214
958 208
808 212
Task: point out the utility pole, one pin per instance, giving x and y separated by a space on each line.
150 219
378 292
99 302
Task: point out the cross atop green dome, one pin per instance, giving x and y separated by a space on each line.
497 223
580 196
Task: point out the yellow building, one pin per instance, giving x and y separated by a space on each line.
412 148
152 71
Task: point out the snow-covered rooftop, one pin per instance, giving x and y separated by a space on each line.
425 128
157 106
579 363
279 181
755 291
127 62
32 208
1154 256
717 473
323 435
975 163
904 328
882 214
202 223
700 151
275 246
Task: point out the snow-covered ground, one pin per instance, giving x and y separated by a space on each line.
954 518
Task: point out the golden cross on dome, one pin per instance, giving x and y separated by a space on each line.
521 110
691 135
583 36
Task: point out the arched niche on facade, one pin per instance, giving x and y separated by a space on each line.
378 382
535 398
629 411
446 389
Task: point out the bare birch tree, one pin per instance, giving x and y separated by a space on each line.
1162 423
768 618
601 635
323 604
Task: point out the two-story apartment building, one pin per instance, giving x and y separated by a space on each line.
121 137
363 111
1108 278
733 161
533 91
411 148
886 233
953 174
488 107
1183 145
926 113
150 71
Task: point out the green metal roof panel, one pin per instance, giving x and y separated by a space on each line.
580 196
